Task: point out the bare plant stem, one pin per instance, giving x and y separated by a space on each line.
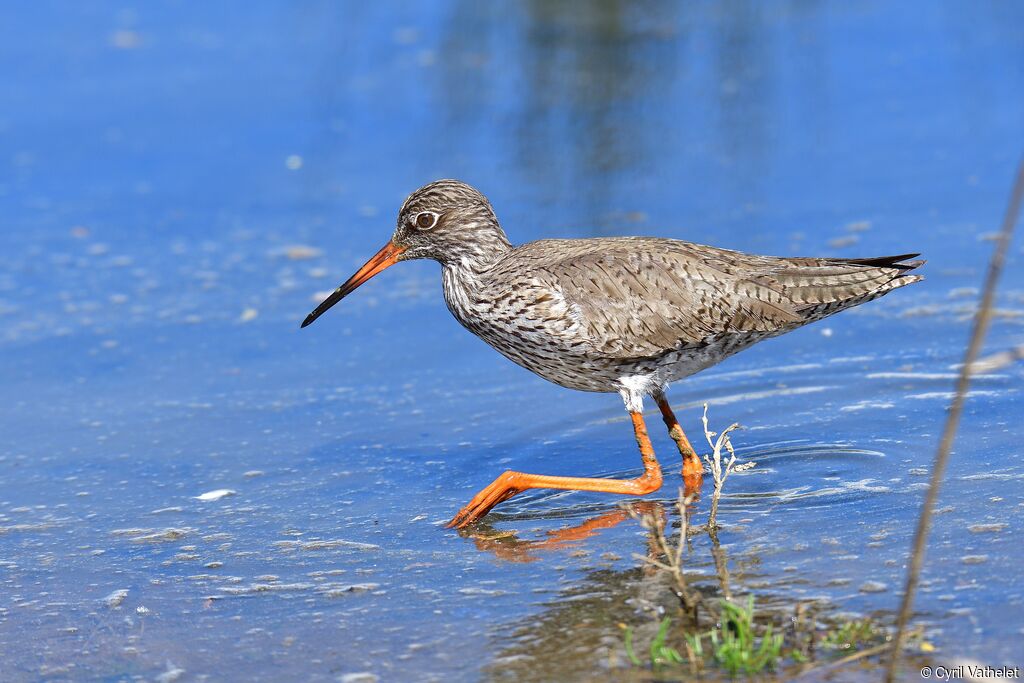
870 652
713 514
719 471
981 323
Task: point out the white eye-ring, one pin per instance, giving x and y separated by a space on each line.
425 220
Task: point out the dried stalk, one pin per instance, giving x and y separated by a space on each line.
714 461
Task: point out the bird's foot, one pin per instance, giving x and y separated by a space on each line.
692 468
693 472
499 490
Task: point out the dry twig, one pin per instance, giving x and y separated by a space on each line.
719 472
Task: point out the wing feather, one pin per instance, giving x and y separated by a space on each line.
631 298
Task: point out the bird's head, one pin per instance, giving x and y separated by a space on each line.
447 221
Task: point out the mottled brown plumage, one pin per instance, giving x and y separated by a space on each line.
624 314
584 313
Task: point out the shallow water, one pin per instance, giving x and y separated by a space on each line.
182 186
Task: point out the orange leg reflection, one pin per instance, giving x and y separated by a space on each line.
507 546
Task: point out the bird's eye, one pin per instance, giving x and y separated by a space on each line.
425 220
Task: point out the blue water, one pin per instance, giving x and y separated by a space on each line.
181 184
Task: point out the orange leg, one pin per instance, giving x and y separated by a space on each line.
510 483
693 468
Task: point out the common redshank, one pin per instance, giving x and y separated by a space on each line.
612 314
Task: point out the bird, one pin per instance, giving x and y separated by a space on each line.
626 315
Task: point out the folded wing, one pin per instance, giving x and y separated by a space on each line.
641 297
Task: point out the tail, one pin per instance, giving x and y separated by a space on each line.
887 264
819 287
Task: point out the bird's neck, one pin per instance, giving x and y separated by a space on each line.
463 278
476 257
472 265
465 274
464 269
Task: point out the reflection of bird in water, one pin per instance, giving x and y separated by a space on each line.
626 315
507 545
